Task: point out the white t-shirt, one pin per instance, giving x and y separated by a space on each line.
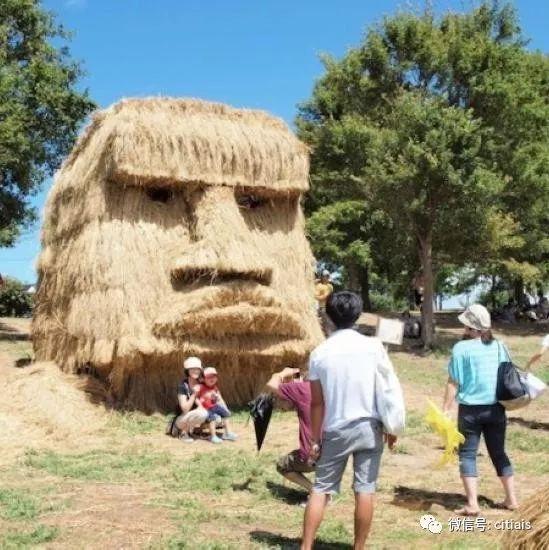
345 364
545 342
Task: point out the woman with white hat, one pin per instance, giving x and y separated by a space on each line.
472 380
192 415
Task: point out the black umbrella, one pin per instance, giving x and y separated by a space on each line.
261 409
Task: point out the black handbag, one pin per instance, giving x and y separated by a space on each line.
511 391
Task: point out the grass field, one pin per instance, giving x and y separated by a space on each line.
124 484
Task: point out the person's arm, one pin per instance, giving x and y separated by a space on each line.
449 395
221 401
186 403
317 417
278 378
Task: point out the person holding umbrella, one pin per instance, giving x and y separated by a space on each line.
295 393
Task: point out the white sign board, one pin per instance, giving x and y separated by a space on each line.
390 331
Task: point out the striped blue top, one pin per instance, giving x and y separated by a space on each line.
474 368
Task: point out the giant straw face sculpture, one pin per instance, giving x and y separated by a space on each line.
175 228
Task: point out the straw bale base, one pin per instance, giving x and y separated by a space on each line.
535 510
150 383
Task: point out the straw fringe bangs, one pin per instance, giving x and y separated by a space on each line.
163 141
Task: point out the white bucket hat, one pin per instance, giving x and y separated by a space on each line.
476 317
192 363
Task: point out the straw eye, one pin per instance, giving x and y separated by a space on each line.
160 194
249 202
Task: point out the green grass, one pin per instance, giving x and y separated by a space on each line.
15 505
98 465
465 543
415 424
402 535
28 539
186 541
209 473
430 373
135 423
534 464
526 441
16 348
334 530
224 470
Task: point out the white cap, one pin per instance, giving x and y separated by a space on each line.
476 317
209 371
325 273
192 363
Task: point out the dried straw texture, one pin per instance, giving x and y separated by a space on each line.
130 285
40 404
535 510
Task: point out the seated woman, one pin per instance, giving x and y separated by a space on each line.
192 415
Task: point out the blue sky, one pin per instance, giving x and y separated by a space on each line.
248 53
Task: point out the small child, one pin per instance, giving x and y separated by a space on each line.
210 398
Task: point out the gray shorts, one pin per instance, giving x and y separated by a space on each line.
362 438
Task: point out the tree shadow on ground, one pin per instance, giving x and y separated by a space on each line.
8 332
420 499
288 543
531 424
289 495
521 328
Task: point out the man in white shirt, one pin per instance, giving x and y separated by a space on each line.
342 375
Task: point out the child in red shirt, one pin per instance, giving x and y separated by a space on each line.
210 398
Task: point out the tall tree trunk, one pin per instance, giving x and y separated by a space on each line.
365 287
427 316
518 290
354 278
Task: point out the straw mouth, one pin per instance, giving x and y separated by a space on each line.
242 319
197 275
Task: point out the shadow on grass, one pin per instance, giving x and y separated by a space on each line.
287 543
289 495
532 424
420 499
521 328
8 332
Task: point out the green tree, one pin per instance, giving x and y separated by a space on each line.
14 300
40 108
342 234
411 119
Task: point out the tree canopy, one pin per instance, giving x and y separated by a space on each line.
439 122
41 108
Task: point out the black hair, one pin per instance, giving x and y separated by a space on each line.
344 308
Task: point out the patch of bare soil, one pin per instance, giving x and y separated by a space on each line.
115 513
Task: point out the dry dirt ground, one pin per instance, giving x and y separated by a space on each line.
74 475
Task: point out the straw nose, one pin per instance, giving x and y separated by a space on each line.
224 247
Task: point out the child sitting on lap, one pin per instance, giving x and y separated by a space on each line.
210 398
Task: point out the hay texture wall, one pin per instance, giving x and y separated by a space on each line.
175 228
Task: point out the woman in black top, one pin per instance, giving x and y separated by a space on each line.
192 415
